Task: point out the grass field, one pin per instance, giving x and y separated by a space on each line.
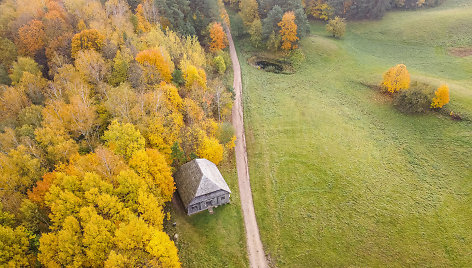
339 177
216 240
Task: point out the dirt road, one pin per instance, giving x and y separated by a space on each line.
254 244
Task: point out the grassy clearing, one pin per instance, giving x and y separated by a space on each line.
216 240
339 177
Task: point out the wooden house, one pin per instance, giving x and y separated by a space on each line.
201 186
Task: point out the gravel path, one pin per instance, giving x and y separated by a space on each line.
254 244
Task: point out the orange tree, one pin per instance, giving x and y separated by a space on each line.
218 39
288 31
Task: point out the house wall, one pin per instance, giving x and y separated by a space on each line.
209 200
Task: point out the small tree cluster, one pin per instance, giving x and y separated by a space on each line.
336 27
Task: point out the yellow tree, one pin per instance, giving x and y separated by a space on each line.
152 166
336 27
123 139
218 40
193 76
87 39
14 246
396 78
160 60
209 148
143 24
288 31
442 97
319 9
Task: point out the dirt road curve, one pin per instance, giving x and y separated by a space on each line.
254 245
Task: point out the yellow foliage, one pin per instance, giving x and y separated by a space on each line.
152 166
63 248
175 102
160 60
164 132
164 250
231 144
396 78
194 76
442 97
117 261
319 9
123 139
14 246
193 112
209 148
87 39
143 24
288 31
150 209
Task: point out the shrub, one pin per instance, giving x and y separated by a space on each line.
177 77
415 100
336 27
225 132
441 97
296 58
396 78
219 64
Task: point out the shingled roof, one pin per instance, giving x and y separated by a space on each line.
198 177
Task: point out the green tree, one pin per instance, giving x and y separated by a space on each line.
23 64
256 33
8 52
270 23
119 74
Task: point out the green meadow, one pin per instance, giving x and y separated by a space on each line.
339 176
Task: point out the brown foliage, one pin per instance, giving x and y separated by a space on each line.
31 38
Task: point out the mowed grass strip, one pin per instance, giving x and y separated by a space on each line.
341 178
216 240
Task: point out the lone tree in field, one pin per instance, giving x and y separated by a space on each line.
442 97
288 31
336 27
396 78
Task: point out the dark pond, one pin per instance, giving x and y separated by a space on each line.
270 66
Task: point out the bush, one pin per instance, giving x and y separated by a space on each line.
226 132
296 58
177 77
336 27
219 64
415 100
